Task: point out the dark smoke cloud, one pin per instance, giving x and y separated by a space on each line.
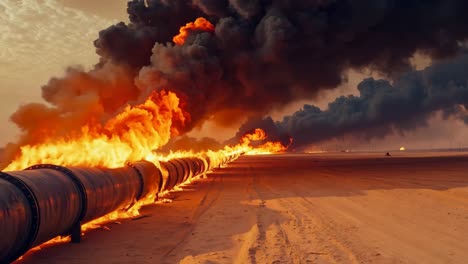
262 55
382 107
265 54
151 21
91 97
267 124
187 143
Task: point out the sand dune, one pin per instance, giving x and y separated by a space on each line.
345 208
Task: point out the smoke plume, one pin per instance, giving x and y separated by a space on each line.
260 56
186 143
381 107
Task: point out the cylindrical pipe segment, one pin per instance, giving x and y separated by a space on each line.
200 166
46 201
170 175
108 189
194 166
188 172
197 166
15 221
151 178
183 168
56 200
206 162
203 165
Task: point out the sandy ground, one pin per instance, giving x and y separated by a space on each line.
346 208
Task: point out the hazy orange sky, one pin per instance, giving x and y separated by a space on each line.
41 37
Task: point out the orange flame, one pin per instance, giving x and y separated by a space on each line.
129 136
268 147
200 24
133 135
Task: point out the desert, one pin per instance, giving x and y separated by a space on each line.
297 208
234 131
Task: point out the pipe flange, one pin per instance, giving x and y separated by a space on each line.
140 177
161 180
35 213
76 181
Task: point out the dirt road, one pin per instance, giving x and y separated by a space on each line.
297 209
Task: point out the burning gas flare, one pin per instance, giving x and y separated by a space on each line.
200 24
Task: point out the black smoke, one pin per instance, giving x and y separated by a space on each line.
187 143
382 107
262 55
265 54
151 21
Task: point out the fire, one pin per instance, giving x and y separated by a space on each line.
258 134
402 148
134 134
200 24
129 136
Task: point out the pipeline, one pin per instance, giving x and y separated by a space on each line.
46 201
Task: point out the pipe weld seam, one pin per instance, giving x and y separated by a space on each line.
35 212
142 182
81 188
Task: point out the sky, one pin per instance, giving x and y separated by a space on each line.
40 38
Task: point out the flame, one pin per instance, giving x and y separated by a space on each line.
268 147
402 148
134 134
129 136
200 24
258 134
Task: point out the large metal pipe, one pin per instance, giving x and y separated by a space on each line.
54 203
108 190
45 201
151 178
170 175
193 165
16 216
184 167
203 165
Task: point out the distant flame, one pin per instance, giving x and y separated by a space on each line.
402 148
268 147
258 134
200 24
